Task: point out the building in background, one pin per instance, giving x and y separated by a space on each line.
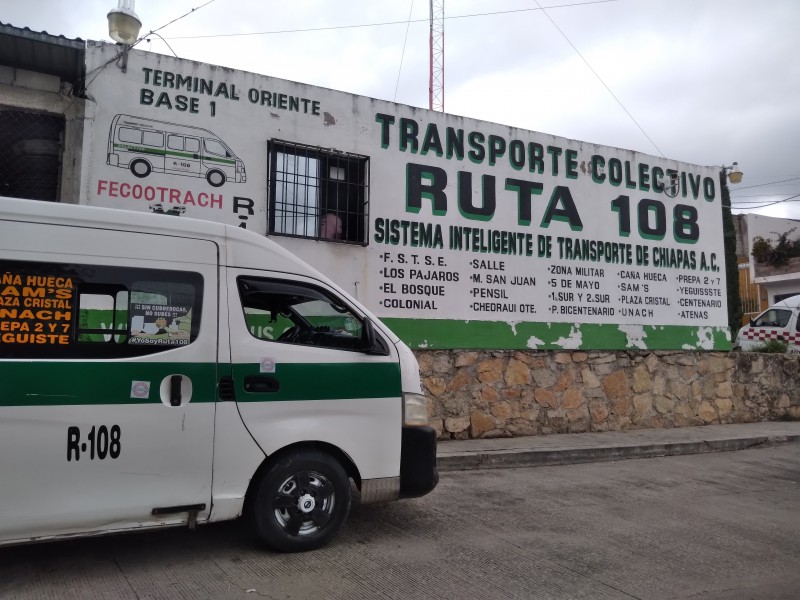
458 233
42 113
768 251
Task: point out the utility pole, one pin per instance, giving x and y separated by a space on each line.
436 75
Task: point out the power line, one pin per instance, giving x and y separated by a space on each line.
362 25
765 184
403 53
182 16
792 198
163 40
600 79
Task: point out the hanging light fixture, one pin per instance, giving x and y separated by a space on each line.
123 28
734 175
123 23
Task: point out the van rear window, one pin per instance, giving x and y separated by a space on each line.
95 311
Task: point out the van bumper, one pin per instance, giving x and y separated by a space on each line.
418 472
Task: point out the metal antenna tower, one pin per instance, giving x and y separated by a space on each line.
436 81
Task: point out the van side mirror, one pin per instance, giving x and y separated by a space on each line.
371 343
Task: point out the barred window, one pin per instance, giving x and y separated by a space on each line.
317 193
31 149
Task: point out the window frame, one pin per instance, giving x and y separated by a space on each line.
345 199
105 280
321 337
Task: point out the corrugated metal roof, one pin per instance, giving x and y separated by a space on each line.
43 53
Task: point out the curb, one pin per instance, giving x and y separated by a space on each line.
507 459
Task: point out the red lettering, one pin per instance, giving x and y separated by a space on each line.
136 191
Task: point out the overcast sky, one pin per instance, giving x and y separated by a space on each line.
702 81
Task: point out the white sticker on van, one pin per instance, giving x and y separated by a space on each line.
267 365
140 389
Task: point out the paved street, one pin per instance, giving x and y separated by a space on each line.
719 526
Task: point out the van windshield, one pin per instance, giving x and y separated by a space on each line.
216 147
296 313
773 317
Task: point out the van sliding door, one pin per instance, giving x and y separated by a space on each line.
109 367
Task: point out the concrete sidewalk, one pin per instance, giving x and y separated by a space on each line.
568 448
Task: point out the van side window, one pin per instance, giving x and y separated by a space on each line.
293 313
95 311
153 138
317 193
175 142
130 135
192 144
113 304
773 318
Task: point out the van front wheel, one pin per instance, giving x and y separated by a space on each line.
215 178
301 502
140 168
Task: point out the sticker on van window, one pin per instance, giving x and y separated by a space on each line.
35 309
140 389
160 325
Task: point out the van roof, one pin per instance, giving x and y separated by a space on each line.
790 302
238 247
238 242
161 125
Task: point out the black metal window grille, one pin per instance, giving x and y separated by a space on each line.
317 193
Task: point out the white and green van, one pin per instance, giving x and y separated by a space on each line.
162 371
146 145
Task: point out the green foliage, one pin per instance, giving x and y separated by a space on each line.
776 253
762 249
731 266
772 347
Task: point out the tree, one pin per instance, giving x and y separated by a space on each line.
731 265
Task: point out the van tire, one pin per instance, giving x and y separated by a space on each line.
215 178
140 168
300 502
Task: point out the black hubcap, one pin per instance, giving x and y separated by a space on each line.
304 503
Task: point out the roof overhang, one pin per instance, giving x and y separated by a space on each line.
43 53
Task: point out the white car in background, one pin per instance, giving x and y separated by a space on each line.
778 323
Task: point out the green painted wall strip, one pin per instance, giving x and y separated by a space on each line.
498 335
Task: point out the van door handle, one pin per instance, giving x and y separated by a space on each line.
261 384
175 390
195 156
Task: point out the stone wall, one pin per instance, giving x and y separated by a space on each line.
481 394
